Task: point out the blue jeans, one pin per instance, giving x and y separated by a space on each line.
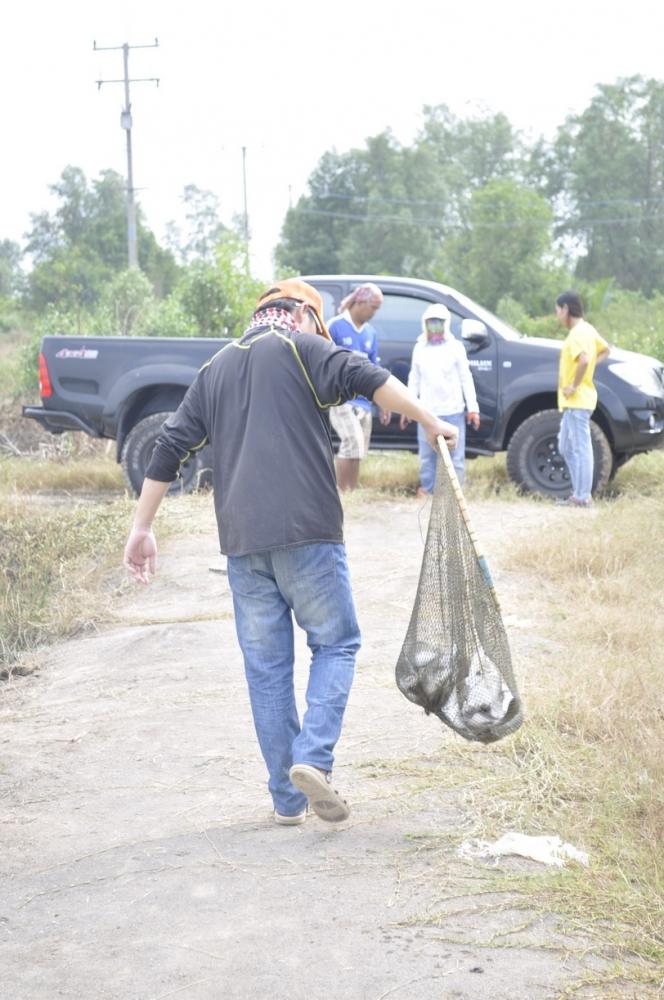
575 446
429 456
312 583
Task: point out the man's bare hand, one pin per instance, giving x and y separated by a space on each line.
440 428
384 416
140 554
403 422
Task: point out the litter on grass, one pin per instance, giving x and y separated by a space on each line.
546 850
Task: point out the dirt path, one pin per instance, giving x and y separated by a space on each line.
140 860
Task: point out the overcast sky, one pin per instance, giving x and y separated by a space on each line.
287 82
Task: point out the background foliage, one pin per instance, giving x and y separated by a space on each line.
510 221
471 202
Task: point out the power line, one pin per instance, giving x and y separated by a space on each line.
379 198
363 199
516 224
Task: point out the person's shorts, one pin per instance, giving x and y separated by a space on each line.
353 425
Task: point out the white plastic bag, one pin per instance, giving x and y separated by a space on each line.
546 850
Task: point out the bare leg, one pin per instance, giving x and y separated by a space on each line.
348 470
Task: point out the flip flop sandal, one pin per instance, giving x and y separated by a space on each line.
325 802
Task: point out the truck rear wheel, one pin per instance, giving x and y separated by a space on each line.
137 451
535 465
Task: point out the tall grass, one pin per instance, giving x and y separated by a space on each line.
50 557
642 476
33 474
56 555
486 477
398 472
590 762
389 472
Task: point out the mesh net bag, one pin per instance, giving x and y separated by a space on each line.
455 660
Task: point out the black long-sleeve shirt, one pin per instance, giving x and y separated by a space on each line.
262 402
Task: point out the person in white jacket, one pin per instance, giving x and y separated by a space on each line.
440 377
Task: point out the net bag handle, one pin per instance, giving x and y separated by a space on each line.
465 514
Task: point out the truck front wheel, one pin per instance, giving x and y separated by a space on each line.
137 450
535 465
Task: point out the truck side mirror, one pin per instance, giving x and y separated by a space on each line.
475 332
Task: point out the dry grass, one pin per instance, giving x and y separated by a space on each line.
389 472
603 580
590 762
588 765
643 475
34 474
74 462
487 477
50 557
61 562
398 472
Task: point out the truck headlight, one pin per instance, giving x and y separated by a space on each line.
640 376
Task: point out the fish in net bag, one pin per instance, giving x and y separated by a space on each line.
455 660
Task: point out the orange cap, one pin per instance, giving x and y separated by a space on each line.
293 288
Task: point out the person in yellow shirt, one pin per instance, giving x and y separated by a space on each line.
577 396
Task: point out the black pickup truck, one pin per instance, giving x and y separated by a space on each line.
124 387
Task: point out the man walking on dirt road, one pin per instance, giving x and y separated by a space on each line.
262 403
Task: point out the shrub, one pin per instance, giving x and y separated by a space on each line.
125 303
633 322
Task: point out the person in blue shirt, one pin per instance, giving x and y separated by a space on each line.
352 421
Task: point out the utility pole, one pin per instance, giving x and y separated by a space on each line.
126 124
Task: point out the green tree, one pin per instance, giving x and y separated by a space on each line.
609 180
369 209
204 229
168 318
221 296
503 251
316 226
126 303
11 275
397 234
386 207
85 241
468 154
203 297
70 279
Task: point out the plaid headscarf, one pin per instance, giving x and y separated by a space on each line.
280 318
363 293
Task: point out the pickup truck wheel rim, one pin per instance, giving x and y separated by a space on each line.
535 464
546 465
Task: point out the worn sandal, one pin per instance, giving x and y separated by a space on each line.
325 802
281 820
